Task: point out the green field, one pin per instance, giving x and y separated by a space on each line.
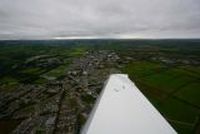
57 72
173 91
166 71
13 70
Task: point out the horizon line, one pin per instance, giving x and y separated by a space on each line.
101 38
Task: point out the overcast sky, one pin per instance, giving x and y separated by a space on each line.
43 19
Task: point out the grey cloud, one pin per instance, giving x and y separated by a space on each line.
28 19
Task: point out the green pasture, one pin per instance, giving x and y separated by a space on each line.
190 93
174 91
57 72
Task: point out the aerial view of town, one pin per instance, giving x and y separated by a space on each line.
99 66
51 86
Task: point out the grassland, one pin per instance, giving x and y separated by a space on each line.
173 90
166 71
14 71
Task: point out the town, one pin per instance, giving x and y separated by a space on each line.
54 91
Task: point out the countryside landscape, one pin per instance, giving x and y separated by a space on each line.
50 86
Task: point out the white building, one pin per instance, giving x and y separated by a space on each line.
122 109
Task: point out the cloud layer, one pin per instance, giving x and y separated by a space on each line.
43 19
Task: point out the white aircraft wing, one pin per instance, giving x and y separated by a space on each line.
122 109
